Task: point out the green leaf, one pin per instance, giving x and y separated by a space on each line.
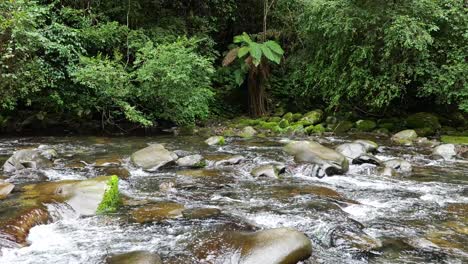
256 51
247 38
239 76
275 47
243 51
270 55
239 39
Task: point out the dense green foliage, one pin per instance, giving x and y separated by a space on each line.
146 61
111 200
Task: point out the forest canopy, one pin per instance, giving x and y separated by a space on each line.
149 61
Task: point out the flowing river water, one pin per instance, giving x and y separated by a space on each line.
416 218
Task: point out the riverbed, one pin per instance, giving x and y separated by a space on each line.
420 217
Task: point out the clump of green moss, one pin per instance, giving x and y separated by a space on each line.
455 140
222 141
111 200
201 164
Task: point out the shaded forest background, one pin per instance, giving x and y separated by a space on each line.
139 63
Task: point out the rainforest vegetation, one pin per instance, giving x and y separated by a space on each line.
142 63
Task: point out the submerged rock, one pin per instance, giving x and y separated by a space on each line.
352 238
233 160
157 212
120 172
351 150
216 140
405 137
330 161
29 175
17 227
39 158
446 151
153 157
201 213
191 161
399 165
272 246
135 257
5 189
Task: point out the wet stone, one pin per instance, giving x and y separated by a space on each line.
157 212
5 189
135 257
122 173
201 213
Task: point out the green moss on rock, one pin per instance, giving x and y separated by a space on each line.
317 129
459 140
284 123
365 125
314 117
288 116
423 120
111 200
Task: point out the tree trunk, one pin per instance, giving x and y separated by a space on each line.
257 94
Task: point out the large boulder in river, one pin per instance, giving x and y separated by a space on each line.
83 197
405 137
135 257
30 158
351 150
153 157
272 246
446 151
329 160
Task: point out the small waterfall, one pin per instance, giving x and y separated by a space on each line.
60 211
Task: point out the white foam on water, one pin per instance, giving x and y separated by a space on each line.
55 175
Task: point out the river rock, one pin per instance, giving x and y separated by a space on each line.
272 246
153 157
369 145
399 165
157 212
446 151
423 120
29 175
385 171
30 158
366 125
120 172
135 257
405 137
215 140
201 213
367 158
83 196
5 189
350 237
191 161
351 150
248 132
329 160
17 227
313 117
234 160
269 170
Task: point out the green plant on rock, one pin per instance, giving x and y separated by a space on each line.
111 200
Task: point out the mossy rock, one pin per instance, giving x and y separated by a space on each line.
302 122
342 127
314 117
382 131
229 132
366 125
295 129
387 126
248 132
288 116
317 129
425 131
284 123
405 137
275 119
296 116
423 120
447 130
458 140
